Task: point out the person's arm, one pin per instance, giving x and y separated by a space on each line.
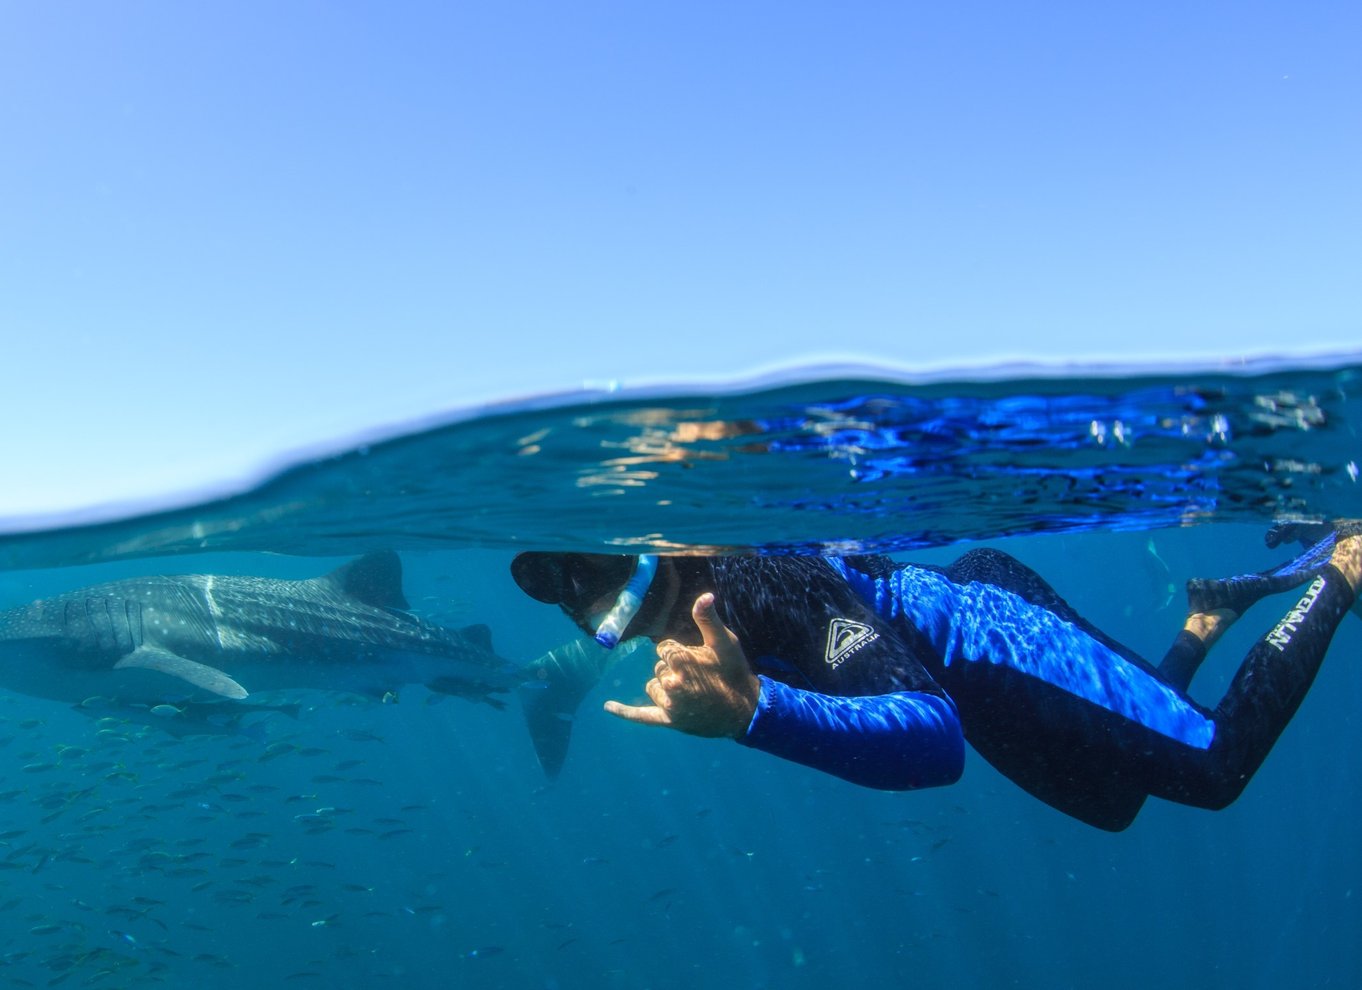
893 741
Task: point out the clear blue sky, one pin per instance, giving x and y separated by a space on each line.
228 229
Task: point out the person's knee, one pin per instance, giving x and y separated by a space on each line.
1211 795
1226 794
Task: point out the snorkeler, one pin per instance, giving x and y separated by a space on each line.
878 671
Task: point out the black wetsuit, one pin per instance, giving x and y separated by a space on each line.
867 663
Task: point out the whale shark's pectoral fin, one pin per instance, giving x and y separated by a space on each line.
198 674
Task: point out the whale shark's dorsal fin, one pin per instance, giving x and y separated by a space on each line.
198 674
375 579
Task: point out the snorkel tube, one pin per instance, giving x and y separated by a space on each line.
627 604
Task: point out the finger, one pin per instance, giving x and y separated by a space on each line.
642 714
670 682
716 635
676 659
655 691
669 650
706 616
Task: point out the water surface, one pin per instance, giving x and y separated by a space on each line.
418 844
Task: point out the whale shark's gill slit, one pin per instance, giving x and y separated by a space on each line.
132 612
92 619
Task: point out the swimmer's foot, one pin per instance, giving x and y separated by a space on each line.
1305 533
1238 594
1347 553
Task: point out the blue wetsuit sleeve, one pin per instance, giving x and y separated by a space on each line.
894 742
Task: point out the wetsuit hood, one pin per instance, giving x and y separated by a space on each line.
572 580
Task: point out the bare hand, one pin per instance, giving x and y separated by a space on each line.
703 690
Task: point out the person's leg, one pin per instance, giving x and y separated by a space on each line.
1213 605
1237 594
1269 687
1347 555
1306 534
1183 659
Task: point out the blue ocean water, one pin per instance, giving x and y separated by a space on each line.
418 844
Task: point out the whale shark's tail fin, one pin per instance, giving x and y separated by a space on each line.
557 685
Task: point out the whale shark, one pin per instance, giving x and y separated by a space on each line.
212 638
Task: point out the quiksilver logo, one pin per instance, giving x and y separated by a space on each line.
1281 635
845 638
